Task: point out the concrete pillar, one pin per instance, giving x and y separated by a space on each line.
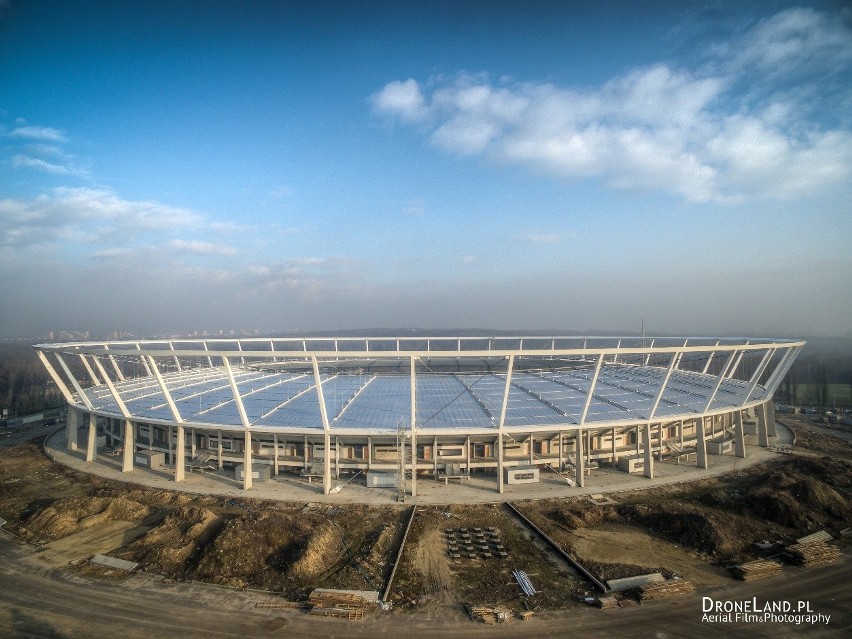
369 452
150 437
467 452
770 418
326 465
305 453
275 454
614 449
129 446
700 443
638 440
413 463
649 453
180 454
71 425
219 449
435 456
531 441
192 443
660 441
739 435
580 466
337 458
762 426
500 487
561 457
91 439
170 445
247 471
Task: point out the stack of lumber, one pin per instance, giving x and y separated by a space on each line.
525 615
487 613
330 603
663 589
753 570
808 555
604 603
280 604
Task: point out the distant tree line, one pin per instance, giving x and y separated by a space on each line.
25 386
814 379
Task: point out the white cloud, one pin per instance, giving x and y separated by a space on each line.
704 134
200 247
44 133
401 99
25 161
86 215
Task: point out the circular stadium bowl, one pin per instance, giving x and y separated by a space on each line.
458 405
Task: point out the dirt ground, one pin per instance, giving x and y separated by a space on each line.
693 530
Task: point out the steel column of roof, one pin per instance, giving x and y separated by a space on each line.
413 382
326 469
755 378
89 370
179 453
56 378
591 390
502 423
672 365
719 379
83 396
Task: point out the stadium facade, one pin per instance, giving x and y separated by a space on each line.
430 407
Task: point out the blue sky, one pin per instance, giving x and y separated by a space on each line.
566 165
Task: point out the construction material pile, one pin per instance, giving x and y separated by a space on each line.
753 570
807 555
664 589
338 603
605 603
524 582
489 614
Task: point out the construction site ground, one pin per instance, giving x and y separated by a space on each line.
204 560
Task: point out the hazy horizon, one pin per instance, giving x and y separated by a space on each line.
299 167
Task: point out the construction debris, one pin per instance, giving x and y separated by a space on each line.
524 582
629 583
281 604
753 570
664 589
815 554
489 614
604 603
345 604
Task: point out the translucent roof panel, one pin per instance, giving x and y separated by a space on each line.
444 402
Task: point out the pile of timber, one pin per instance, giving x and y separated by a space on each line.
753 570
605 603
663 589
807 555
281 604
488 613
336 603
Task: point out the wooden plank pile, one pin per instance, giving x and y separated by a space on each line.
489 614
664 589
753 570
605 603
807 555
330 603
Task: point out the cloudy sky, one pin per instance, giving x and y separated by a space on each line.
176 167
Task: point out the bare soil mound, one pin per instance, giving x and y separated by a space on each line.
175 543
72 514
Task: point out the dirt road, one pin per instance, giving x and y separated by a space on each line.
41 602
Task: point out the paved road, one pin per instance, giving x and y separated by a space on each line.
41 602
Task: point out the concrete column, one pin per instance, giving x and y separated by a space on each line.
700 443
739 435
561 457
275 454
435 456
305 453
770 418
614 449
638 440
531 441
180 454
170 445
413 463
500 454
680 433
580 466
219 447
660 441
71 425
762 426
649 453
247 460
150 437
337 458
129 446
192 443
91 439
467 452
326 465
369 452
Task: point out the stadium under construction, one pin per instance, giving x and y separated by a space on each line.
417 407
